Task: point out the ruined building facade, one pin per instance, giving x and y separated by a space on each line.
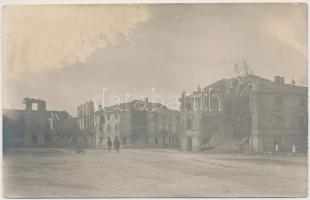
85 119
37 127
262 113
266 112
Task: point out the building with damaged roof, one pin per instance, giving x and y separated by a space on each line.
250 108
37 127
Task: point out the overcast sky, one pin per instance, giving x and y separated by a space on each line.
66 55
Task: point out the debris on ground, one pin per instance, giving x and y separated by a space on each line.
223 143
80 151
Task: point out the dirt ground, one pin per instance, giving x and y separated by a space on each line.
151 173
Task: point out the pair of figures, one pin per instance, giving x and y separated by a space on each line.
116 143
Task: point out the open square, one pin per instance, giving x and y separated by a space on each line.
151 173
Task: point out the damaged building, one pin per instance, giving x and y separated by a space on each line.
246 113
259 115
85 119
37 127
137 123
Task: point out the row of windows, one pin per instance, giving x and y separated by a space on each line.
109 128
124 140
85 124
279 100
171 127
85 110
102 119
214 105
170 140
278 121
164 117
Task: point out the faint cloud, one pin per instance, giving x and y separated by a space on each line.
284 31
303 81
39 38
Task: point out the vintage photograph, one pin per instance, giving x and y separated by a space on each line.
155 100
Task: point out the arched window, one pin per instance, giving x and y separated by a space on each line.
302 101
189 123
302 121
116 128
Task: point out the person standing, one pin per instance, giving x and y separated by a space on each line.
116 144
276 146
109 143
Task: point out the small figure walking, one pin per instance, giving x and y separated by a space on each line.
80 150
109 143
294 148
116 144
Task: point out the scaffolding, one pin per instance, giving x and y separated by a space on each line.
242 69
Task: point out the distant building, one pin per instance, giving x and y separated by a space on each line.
37 127
13 128
85 119
137 123
268 112
65 127
201 115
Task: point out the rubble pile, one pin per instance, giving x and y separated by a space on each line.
223 143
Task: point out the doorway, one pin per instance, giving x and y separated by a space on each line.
124 142
34 139
189 143
164 141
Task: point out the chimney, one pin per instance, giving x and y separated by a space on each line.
293 82
41 105
277 80
199 89
282 81
147 104
183 94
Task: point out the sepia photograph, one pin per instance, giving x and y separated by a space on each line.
155 100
